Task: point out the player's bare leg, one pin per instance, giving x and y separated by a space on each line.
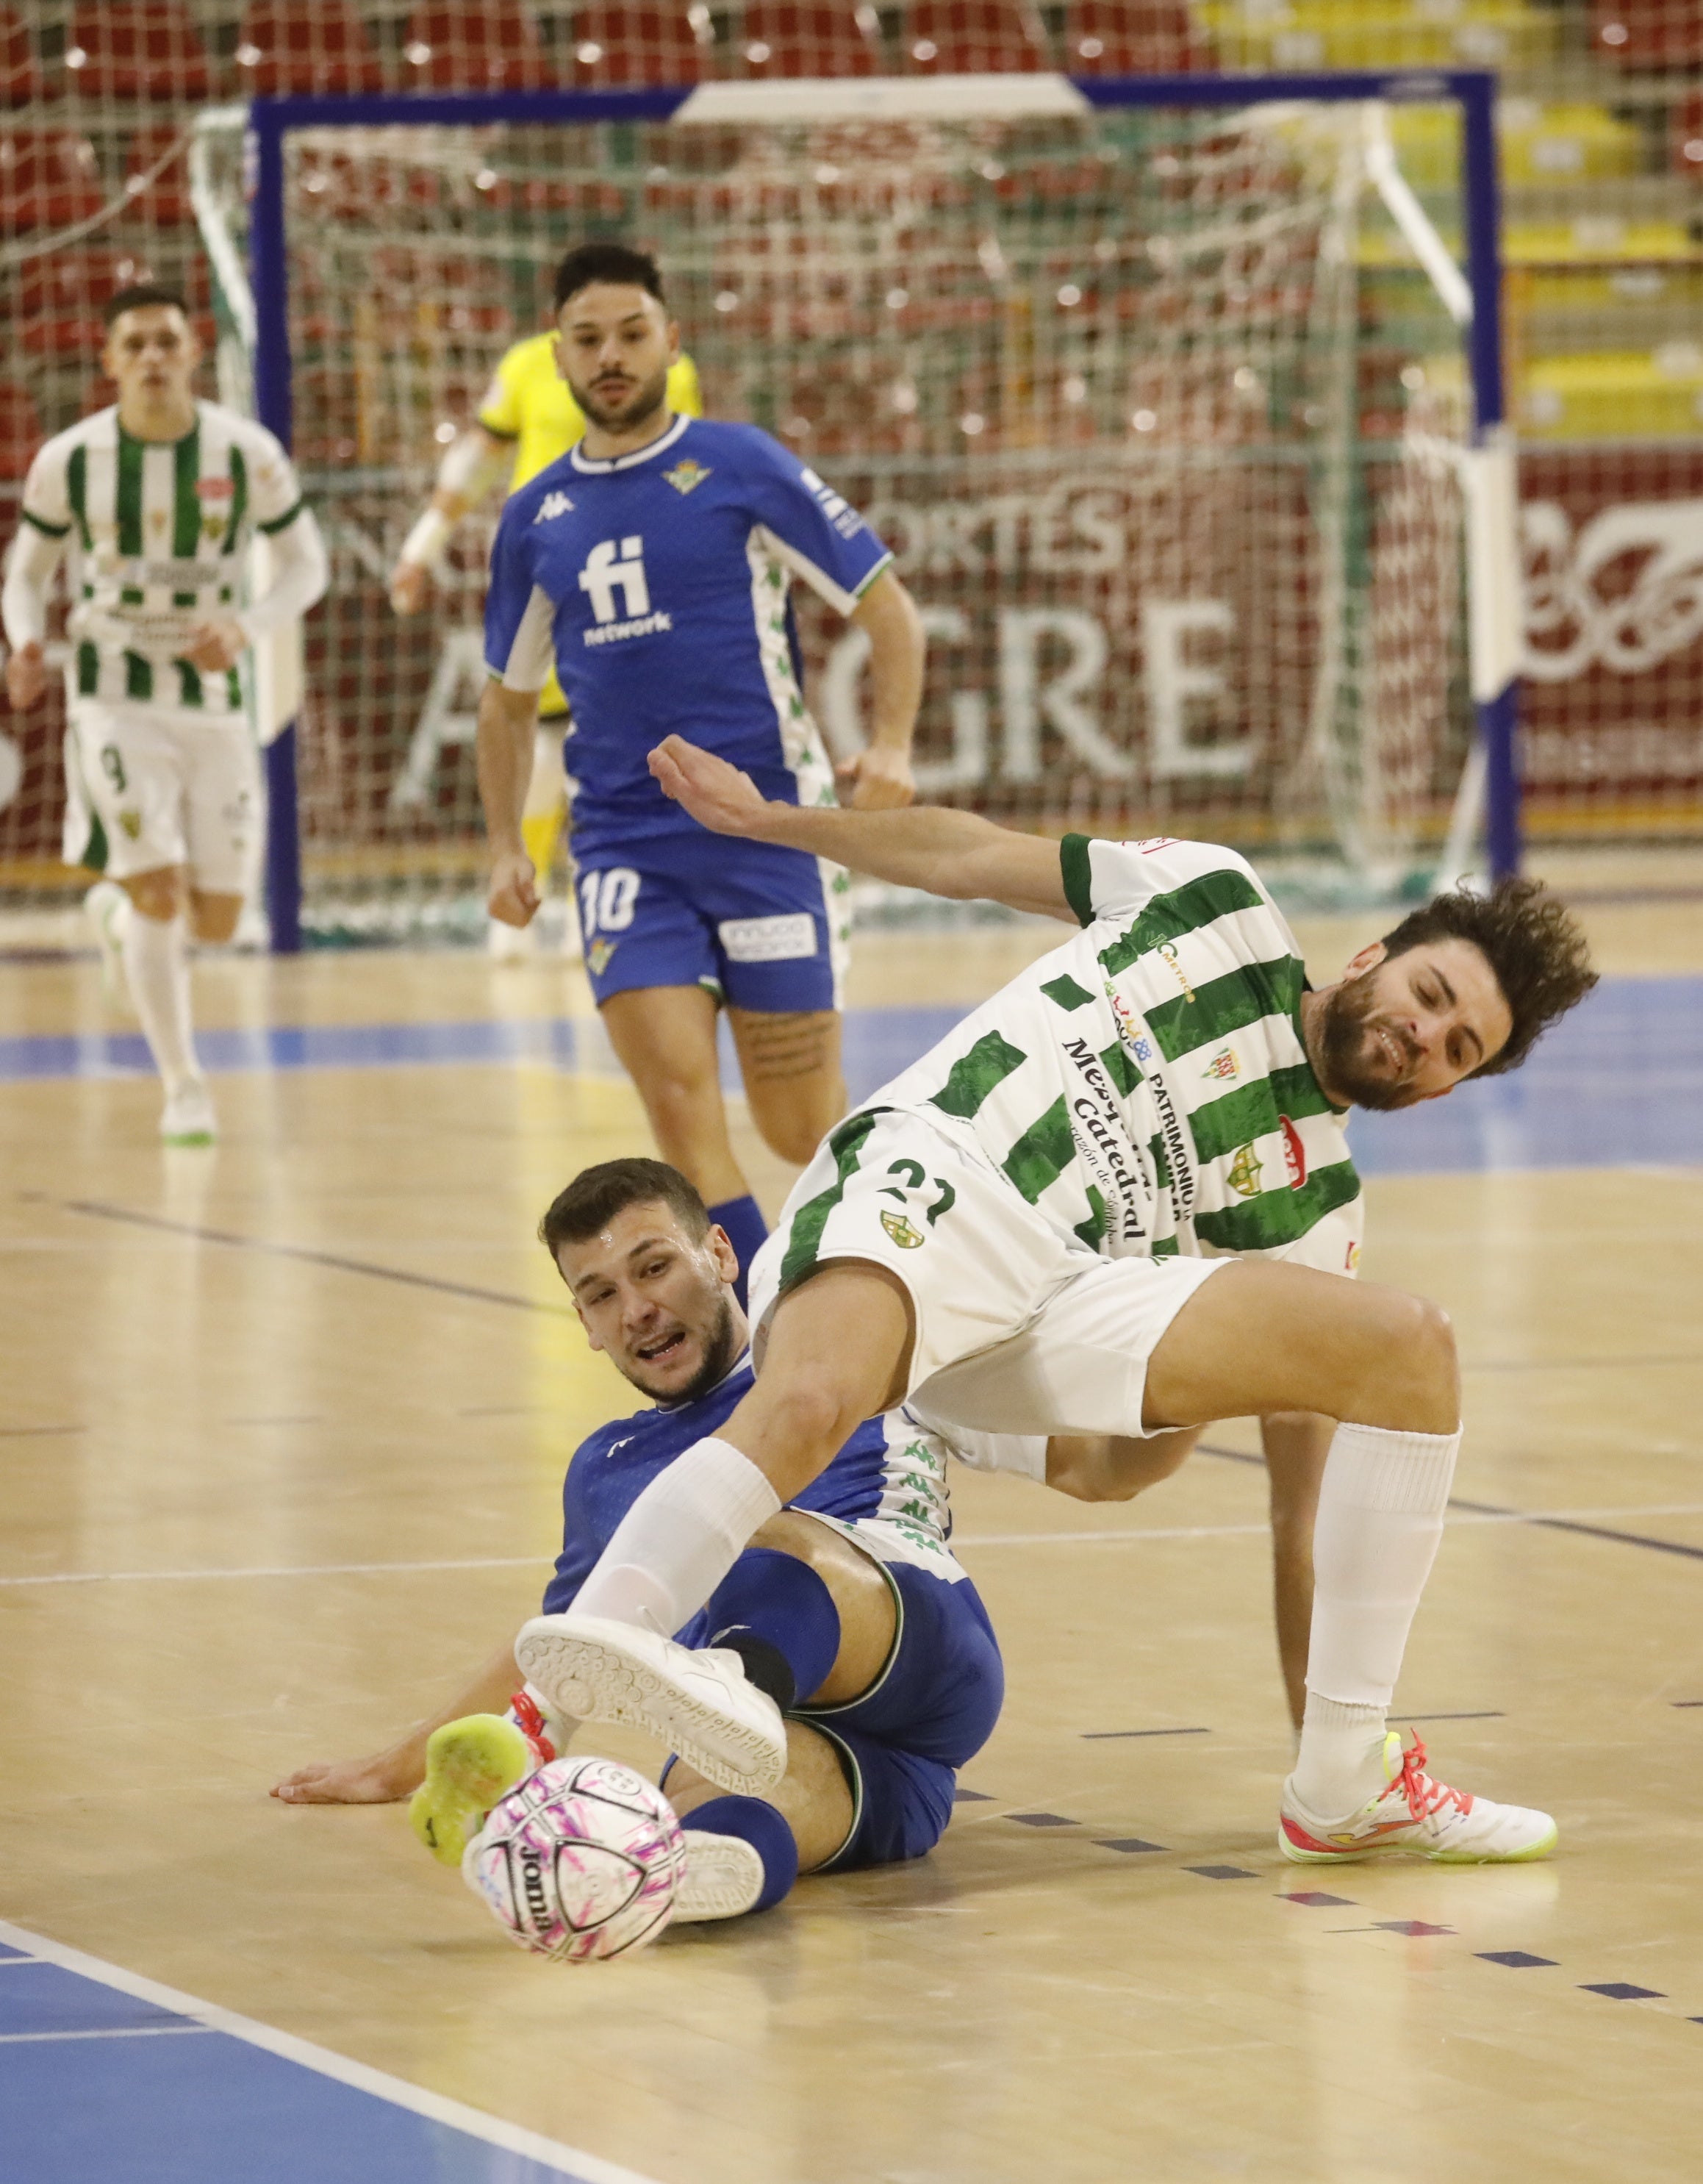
665 1038
152 944
1297 1446
790 1063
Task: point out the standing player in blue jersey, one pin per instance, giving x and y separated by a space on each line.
650 567
847 1607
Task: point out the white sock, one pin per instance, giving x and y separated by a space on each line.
156 965
679 1539
107 904
1380 1519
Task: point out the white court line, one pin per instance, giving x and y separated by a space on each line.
436 2107
104 2032
1127 1536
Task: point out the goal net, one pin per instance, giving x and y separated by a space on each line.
1158 407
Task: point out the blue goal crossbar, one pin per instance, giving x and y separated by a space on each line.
271 121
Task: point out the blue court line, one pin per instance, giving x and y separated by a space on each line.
88 2090
1616 1084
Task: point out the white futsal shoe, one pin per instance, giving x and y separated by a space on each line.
722 1877
106 906
510 944
188 1119
699 1703
1415 1813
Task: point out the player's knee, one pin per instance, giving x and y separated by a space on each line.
159 895
213 917
1421 1366
793 1137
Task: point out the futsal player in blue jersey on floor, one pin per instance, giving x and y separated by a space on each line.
848 1608
651 567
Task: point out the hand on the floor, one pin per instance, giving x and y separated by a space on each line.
216 644
381 1779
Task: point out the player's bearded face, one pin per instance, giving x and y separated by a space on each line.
654 1300
1369 1058
614 352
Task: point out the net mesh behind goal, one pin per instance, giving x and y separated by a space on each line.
1153 406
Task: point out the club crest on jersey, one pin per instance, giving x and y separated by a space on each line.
687 476
1294 1153
551 506
132 823
1244 1171
598 954
903 1233
1224 1067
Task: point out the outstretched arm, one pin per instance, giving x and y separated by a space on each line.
383 1777
952 854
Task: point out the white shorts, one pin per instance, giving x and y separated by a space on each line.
167 788
1016 1330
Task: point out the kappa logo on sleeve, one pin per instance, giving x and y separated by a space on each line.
551 506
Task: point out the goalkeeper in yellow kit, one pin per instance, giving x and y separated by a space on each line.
528 419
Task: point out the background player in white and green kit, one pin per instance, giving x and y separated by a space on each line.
156 503
1117 1200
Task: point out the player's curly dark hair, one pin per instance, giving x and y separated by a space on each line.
1532 941
606 261
596 1195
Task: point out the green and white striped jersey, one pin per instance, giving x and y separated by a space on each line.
1145 1087
157 533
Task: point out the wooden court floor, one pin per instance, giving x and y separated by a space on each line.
281 1452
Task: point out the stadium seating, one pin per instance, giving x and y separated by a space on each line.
48 178
809 38
1132 38
305 48
1688 137
954 37
490 46
164 201
136 49
21 429
1648 34
20 79
617 44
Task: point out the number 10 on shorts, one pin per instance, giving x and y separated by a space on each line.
607 900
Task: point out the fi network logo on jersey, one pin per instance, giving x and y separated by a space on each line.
604 576
551 506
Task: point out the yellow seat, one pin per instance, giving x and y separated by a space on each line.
1614 395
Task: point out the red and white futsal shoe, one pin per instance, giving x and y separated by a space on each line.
1415 1814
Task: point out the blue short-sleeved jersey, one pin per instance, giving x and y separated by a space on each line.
888 1481
656 585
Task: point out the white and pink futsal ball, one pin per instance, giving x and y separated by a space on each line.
580 1862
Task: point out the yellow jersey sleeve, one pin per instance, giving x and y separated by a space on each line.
685 395
500 412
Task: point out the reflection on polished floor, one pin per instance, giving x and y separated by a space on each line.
282 1457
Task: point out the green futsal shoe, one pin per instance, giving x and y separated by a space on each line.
470 1764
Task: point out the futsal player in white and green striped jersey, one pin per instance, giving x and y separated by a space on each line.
1116 1200
154 504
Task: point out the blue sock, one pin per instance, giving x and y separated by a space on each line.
762 1827
779 1617
742 1220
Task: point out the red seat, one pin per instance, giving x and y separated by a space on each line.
809 38
1688 137
1648 34
1132 38
617 44
48 178
972 37
21 429
493 46
304 47
20 79
136 49
164 200
61 298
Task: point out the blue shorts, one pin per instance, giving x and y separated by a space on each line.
931 1712
763 925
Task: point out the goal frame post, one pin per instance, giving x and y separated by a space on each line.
1490 488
